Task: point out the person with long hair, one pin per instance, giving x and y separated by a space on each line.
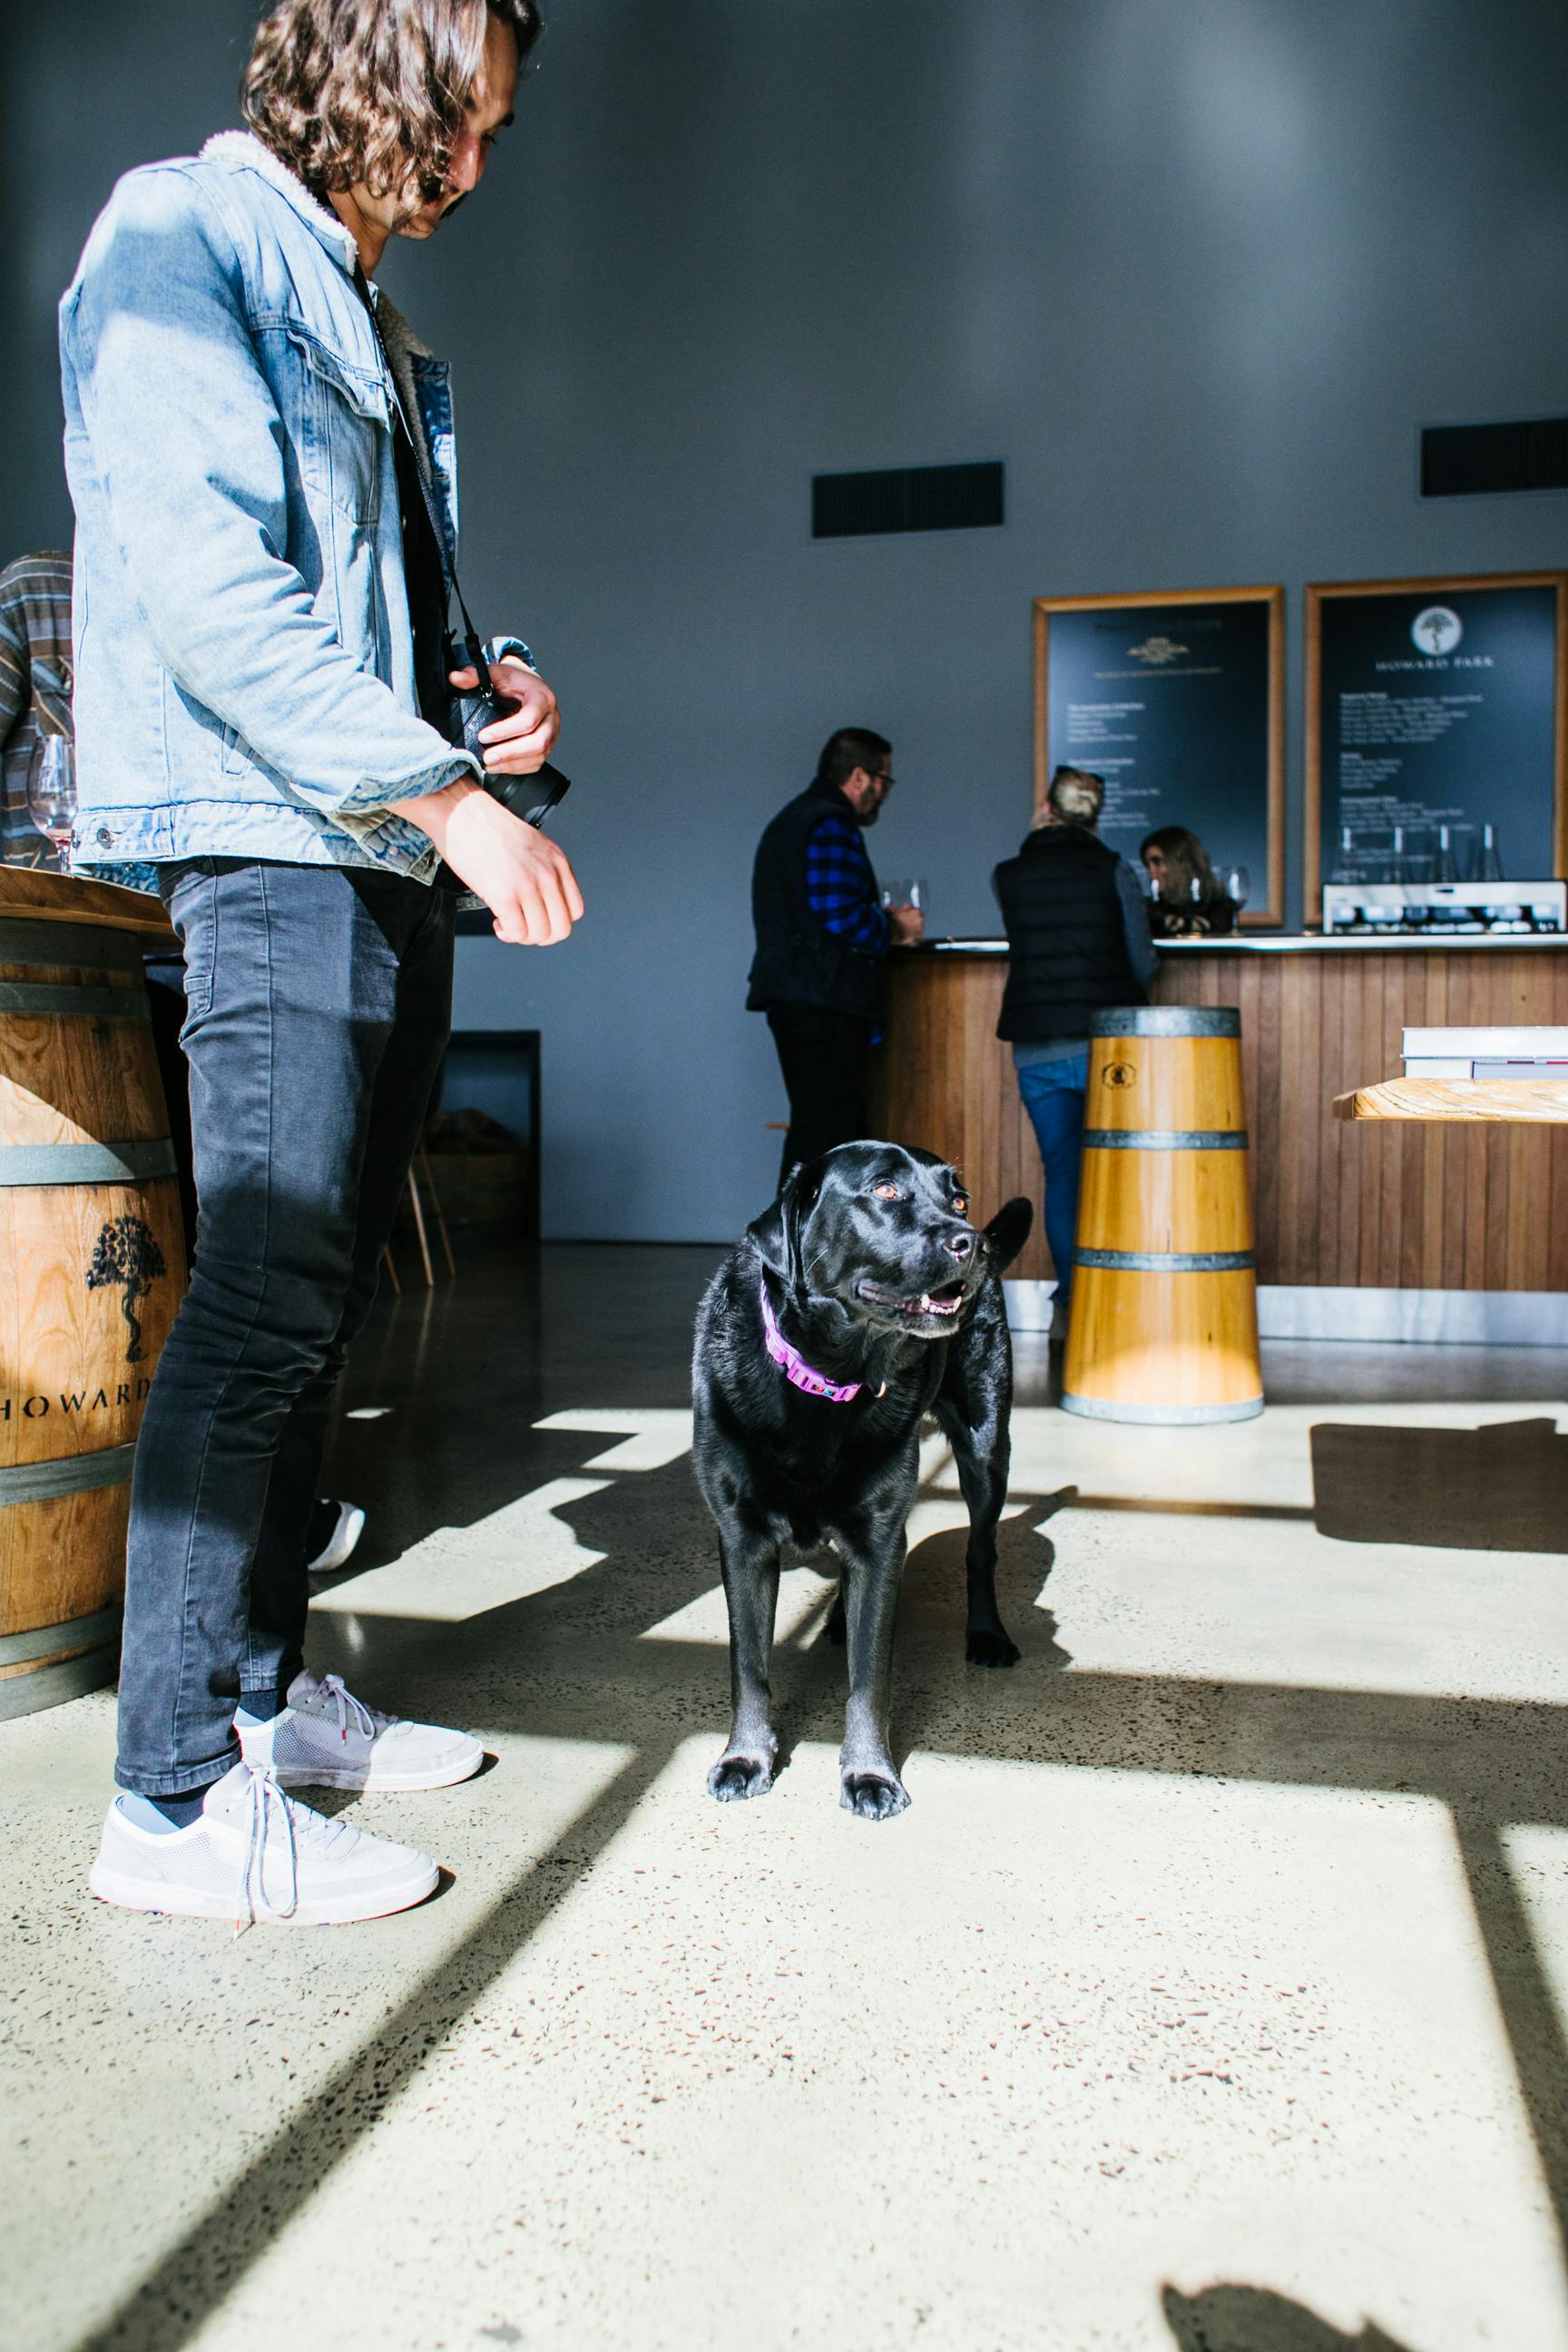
1187 893
1078 940
260 456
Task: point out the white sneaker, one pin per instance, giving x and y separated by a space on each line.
252 1854
327 1739
335 1548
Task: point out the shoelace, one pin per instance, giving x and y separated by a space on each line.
301 1827
364 1719
261 1792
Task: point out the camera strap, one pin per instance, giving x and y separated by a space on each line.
531 798
438 529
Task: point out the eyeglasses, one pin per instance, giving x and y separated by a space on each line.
884 777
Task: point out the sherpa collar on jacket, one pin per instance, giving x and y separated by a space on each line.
241 150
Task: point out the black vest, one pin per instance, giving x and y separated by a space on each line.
1063 913
799 961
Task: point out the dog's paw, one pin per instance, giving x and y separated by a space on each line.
982 1649
875 1796
735 1778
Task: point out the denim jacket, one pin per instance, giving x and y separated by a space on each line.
244 657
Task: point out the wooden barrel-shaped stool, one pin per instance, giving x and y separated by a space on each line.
92 1267
1164 1323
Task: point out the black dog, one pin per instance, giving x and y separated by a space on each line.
861 1302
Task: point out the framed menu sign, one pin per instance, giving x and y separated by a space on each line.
1429 703
1177 700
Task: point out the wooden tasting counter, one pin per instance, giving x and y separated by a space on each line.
1430 1208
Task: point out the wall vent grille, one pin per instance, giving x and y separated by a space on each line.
1467 461
906 498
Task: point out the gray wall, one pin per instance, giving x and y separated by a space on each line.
1196 269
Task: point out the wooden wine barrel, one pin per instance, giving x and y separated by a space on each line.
92 1269
1164 1299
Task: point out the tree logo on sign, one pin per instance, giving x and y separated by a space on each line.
1437 630
127 1255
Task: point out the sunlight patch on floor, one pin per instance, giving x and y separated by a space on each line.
803 1595
1263 1466
654 1436
461 1572
1185 2049
1229 1598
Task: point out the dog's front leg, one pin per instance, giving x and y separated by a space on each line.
981 1455
750 1560
873 1570
974 1411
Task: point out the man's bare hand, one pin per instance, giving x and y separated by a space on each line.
518 744
906 925
522 878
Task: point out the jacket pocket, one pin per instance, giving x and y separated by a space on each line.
344 414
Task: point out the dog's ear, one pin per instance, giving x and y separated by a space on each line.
1009 1231
777 1232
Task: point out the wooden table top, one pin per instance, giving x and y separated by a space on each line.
36 893
1533 1102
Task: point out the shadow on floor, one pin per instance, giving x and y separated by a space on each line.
1251 2319
1503 1487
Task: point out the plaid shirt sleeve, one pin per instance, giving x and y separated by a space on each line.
840 887
35 690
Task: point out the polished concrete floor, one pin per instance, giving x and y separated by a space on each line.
1210 1996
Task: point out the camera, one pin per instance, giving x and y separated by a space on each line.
530 797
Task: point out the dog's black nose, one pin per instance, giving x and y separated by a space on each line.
961 1244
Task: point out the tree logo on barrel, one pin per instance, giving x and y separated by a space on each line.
1119 1074
128 1253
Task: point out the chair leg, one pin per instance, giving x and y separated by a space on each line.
419 1229
424 1160
386 1259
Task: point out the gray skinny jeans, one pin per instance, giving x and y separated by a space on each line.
318 1007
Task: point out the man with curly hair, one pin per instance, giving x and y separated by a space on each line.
261 456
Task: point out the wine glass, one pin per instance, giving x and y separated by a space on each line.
51 790
1237 885
915 893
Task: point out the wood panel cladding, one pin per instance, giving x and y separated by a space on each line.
1374 1204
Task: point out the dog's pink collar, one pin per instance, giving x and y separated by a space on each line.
794 1366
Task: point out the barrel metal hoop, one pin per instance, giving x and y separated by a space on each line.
1165 1138
81 947
75 1633
52 1686
85 1163
1167 1261
50 999
1167 1021
66 1473
1159 1416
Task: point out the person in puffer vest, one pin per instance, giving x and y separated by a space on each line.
823 936
1079 936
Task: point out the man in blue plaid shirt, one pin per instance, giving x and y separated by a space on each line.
822 934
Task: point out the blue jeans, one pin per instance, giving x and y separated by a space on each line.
1053 1095
317 1006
